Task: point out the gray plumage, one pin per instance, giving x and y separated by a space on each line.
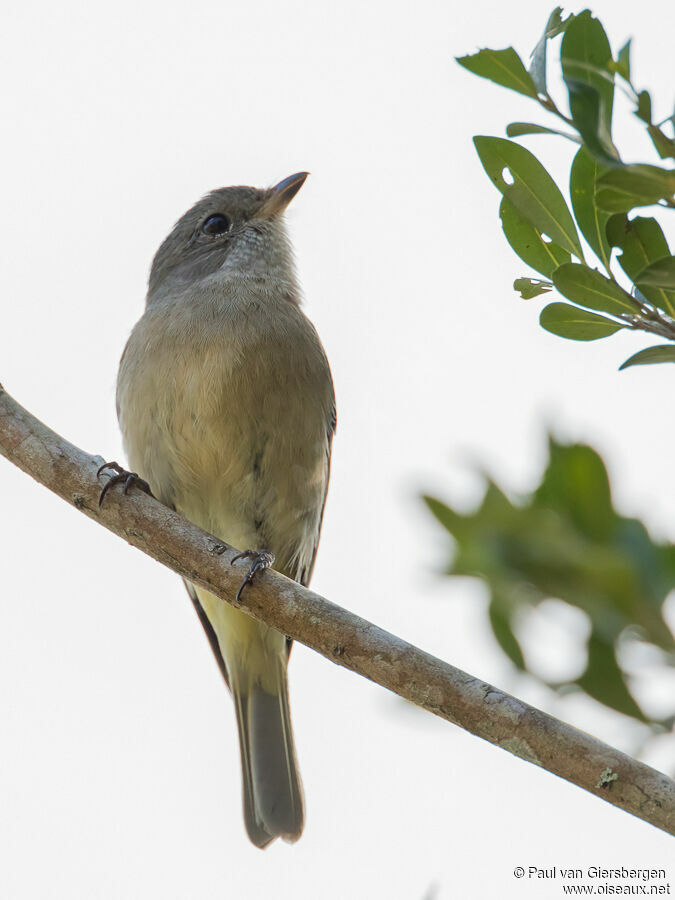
226 406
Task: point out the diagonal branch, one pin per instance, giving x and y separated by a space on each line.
339 635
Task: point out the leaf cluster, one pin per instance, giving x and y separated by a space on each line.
566 541
604 190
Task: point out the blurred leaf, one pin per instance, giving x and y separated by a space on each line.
659 274
544 256
531 287
576 324
504 67
640 185
642 242
567 541
587 66
665 147
644 107
577 484
517 129
658 354
447 517
591 289
592 221
604 681
501 628
533 192
554 27
622 66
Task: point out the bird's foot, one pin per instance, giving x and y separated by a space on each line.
262 559
128 479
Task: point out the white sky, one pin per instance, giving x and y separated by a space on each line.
119 770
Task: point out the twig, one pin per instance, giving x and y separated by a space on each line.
653 322
338 635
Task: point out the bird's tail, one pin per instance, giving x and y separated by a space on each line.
273 802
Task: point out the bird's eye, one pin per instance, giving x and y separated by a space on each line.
216 224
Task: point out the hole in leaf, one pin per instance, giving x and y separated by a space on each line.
546 239
507 176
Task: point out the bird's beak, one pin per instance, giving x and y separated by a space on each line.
281 195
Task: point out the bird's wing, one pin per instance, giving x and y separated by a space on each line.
305 575
208 629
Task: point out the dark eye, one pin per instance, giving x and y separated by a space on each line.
216 224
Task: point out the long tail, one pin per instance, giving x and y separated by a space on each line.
273 802
253 659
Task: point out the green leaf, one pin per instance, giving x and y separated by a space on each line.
639 185
642 243
644 107
576 484
448 518
565 540
533 192
659 274
501 628
587 62
603 679
576 324
665 146
593 222
517 129
658 354
554 27
622 66
591 289
544 256
587 115
531 287
503 67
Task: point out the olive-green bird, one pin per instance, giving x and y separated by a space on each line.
227 410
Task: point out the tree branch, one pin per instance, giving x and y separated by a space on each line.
339 635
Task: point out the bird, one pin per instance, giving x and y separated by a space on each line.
226 406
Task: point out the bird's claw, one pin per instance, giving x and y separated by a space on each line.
128 479
262 559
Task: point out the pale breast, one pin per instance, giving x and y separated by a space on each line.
231 423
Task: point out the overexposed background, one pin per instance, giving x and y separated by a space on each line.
119 766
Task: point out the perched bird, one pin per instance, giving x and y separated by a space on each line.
226 406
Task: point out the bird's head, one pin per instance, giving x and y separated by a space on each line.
233 229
